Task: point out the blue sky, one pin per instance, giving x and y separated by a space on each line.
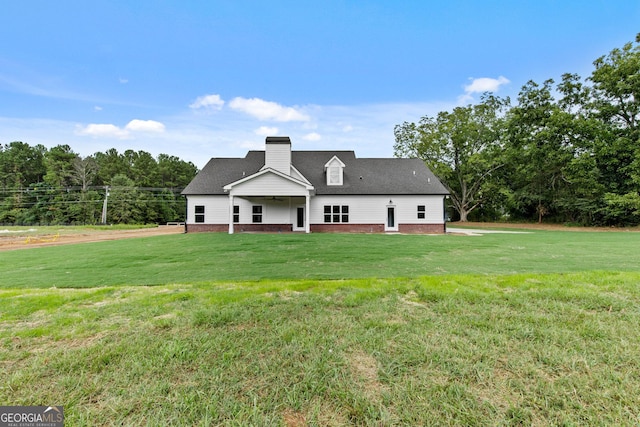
201 79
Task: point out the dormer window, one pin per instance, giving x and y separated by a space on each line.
334 169
335 175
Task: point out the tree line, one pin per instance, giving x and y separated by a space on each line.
58 186
566 152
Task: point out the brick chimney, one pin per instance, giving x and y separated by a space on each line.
277 154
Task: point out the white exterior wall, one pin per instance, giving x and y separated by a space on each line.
373 209
407 209
269 184
216 209
362 209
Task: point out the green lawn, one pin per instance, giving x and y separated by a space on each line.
534 329
205 257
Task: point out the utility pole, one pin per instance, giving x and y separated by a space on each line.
104 204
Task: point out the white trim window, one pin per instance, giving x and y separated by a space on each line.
336 213
334 169
256 214
422 210
335 175
236 214
199 214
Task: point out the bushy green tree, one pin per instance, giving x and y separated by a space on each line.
616 84
462 147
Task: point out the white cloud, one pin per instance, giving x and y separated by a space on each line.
481 85
107 130
485 84
212 102
313 136
123 80
267 110
145 126
97 108
102 130
266 131
196 138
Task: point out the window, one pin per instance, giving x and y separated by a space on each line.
345 214
334 175
336 213
257 213
199 213
421 211
334 170
236 213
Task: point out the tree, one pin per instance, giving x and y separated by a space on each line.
124 205
174 172
20 166
110 164
616 87
462 147
144 169
550 145
84 172
59 162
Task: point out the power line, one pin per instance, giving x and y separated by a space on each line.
175 190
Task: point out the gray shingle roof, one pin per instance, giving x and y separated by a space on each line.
361 176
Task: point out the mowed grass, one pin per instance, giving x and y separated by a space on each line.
322 329
205 257
449 350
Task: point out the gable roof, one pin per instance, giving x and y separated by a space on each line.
365 176
266 171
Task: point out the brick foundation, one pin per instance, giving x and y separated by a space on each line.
240 228
422 228
347 228
200 228
262 228
317 228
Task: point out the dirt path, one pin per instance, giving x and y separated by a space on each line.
32 239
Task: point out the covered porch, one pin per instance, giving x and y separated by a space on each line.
268 200
269 213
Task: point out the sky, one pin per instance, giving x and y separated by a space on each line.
201 79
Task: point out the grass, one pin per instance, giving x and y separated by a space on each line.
191 258
324 329
452 350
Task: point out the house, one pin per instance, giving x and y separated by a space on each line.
280 190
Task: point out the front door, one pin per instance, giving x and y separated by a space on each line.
391 219
300 218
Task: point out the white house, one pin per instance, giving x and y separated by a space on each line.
279 190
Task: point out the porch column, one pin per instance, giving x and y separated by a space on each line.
307 214
230 214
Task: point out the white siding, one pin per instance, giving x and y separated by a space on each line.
407 209
362 209
216 209
373 209
269 184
